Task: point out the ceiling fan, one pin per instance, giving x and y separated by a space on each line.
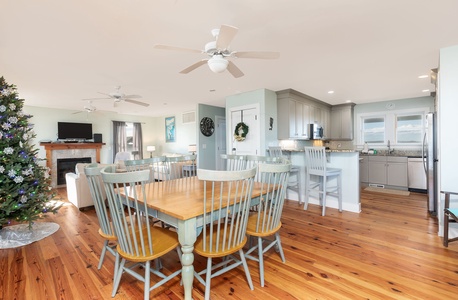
87 108
218 51
118 97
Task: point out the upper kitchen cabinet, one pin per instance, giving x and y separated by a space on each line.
342 122
295 111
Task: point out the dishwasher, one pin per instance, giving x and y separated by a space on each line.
416 174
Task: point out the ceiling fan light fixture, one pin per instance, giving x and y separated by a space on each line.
217 63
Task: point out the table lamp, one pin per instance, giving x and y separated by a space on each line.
192 148
150 149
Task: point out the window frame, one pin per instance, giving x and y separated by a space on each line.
390 133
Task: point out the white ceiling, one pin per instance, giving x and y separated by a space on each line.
60 52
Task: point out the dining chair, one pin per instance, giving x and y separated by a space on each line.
189 166
295 183
153 164
138 240
227 197
98 194
234 162
318 175
266 221
174 167
450 216
121 157
255 160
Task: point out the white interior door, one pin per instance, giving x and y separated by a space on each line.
252 144
220 136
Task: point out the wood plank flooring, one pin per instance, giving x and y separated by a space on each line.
389 251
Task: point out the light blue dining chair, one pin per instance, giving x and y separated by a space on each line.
234 162
139 241
98 195
266 221
227 200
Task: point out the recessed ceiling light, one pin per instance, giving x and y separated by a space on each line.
348 101
423 76
425 91
331 92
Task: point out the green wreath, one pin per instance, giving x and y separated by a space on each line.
241 130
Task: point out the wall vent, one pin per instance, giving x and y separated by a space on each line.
188 117
377 185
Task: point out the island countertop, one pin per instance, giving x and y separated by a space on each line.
327 150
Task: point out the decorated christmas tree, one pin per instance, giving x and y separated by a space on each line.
25 185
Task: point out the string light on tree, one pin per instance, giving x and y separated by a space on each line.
25 184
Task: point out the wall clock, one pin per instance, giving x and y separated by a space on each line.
207 127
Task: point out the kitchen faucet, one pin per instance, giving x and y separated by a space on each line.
389 148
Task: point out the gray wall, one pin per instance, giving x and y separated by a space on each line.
206 146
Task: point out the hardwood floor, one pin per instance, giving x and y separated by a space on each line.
389 251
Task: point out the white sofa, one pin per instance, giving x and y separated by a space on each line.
78 192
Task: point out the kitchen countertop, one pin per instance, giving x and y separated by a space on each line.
328 150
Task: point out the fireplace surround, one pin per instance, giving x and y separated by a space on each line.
55 151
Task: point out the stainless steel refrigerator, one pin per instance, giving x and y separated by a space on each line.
429 153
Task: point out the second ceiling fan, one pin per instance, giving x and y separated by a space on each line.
117 96
219 51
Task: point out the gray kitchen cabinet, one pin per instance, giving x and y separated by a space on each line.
388 170
363 169
377 169
342 122
396 171
295 111
291 121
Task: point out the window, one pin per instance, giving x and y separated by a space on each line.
130 136
409 129
402 128
374 130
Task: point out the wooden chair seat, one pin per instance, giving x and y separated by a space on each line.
164 242
216 244
253 223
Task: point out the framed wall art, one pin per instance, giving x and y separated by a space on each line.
170 132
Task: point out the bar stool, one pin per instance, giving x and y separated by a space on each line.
450 216
294 184
315 161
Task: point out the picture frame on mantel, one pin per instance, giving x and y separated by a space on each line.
170 130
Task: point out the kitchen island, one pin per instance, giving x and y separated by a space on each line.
348 161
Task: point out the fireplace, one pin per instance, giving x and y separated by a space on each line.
55 151
67 165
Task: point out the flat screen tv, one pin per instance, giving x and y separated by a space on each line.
74 131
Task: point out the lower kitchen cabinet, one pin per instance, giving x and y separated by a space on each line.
363 168
388 170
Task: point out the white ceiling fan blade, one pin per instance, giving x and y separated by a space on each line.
108 95
95 99
137 102
256 54
234 70
225 36
194 66
132 96
166 47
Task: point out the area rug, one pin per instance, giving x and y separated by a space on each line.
20 235
387 191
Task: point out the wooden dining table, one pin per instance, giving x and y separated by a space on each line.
179 203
